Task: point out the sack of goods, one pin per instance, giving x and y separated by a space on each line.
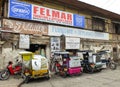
39 62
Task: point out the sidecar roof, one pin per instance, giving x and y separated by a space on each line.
25 52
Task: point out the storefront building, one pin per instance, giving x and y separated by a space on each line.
36 28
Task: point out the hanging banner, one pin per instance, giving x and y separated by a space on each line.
55 44
72 43
27 11
24 41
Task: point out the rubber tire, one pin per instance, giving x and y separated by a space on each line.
64 74
27 78
6 74
48 77
91 70
112 66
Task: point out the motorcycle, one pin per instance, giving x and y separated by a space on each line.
90 61
108 61
111 64
11 70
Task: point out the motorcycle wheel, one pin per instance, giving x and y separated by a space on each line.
112 66
64 74
91 70
26 79
4 75
56 70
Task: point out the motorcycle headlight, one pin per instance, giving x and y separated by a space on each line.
92 65
64 59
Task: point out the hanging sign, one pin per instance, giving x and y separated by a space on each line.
24 41
72 43
55 44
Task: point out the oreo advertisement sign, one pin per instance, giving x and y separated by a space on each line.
20 10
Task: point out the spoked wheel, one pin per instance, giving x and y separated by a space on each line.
112 66
26 79
63 74
56 70
91 70
4 75
48 77
99 70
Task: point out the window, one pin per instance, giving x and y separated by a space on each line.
88 23
116 27
98 24
110 28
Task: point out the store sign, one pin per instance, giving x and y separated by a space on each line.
51 15
25 27
79 21
24 41
58 31
27 11
20 10
55 44
72 43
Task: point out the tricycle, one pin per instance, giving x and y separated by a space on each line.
66 65
91 62
107 60
34 66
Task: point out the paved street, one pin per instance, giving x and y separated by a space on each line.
106 78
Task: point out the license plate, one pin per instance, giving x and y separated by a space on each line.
65 69
27 74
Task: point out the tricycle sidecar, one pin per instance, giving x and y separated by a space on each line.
34 66
66 65
90 62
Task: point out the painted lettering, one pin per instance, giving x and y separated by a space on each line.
63 16
55 14
69 17
42 11
35 10
51 15
48 12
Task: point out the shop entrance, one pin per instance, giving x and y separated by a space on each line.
39 49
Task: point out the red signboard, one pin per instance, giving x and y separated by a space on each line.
52 15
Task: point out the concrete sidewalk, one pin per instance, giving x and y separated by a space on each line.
105 78
11 82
